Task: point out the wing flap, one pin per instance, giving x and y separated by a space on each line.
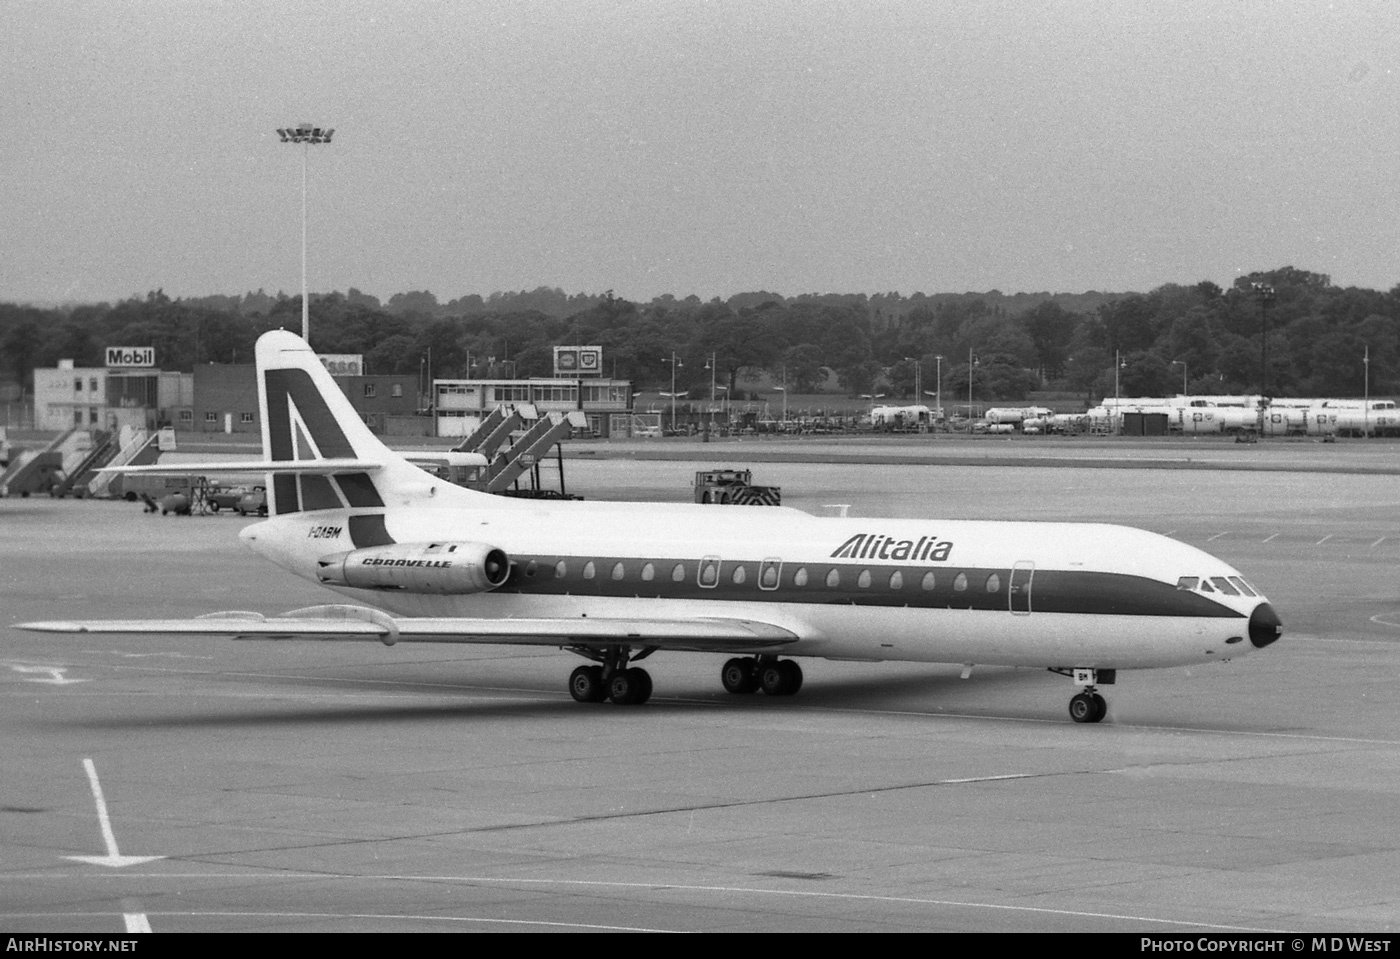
352 623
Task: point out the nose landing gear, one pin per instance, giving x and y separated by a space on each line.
1088 706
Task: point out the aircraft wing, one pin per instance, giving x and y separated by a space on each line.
352 623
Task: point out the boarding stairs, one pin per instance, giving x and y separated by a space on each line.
137 447
38 471
102 446
530 446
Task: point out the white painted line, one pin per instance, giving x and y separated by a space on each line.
114 858
1218 535
1323 540
1271 537
1170 532
136 922
1378 542
54 673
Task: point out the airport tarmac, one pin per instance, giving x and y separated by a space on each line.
357 787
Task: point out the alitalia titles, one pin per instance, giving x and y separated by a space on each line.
926 549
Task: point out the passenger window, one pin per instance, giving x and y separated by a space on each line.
799 578
709 572
993 583
863 581
678 573
561 570
768 576
1223 584
928 581
1242 586
740 574
1187 582
588 570
896 580
960 583
833 578
618 571
648 573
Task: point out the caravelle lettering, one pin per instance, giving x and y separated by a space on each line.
878 546
424 563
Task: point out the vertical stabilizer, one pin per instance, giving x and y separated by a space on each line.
307 421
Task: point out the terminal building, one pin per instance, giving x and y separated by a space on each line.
108 398
223 398
459 406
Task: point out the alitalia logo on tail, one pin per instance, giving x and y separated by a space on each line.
927 549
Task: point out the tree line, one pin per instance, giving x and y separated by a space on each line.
1321 339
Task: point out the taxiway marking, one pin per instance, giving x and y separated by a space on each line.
114 858
55 675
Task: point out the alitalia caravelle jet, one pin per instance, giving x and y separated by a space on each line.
427 561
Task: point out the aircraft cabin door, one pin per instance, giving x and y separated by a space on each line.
1020 593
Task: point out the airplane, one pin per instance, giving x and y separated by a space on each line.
424 560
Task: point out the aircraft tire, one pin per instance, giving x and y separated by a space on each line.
794 677
630 687
1087 708
781 678
739 676
586 684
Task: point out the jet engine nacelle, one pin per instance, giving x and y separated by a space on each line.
451 568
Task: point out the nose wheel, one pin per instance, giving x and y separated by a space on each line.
1087 707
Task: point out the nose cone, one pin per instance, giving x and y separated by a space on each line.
1264 626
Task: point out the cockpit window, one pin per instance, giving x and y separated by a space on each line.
1187 582
1242 586
1223 584
1206 587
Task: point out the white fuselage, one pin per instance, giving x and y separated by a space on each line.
957 591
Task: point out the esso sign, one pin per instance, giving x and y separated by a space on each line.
131 356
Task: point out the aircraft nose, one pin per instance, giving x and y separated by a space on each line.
1264 626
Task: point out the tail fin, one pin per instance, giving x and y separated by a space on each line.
334 461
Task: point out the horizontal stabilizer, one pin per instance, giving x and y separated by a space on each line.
321 467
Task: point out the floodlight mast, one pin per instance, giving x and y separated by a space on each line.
305 134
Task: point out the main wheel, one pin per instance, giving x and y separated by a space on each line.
794 676
630 687
781 678
739 676
1087 708
586 684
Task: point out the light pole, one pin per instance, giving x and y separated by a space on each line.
710 365
306 135
674 363
1183 374
971 362
939 412
1366 363
918 378
1264 293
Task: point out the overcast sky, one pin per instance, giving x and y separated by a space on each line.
680 146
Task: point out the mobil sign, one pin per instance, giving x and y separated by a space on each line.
131 356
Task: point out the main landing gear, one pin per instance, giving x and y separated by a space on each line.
776 677
1088 706
612 678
